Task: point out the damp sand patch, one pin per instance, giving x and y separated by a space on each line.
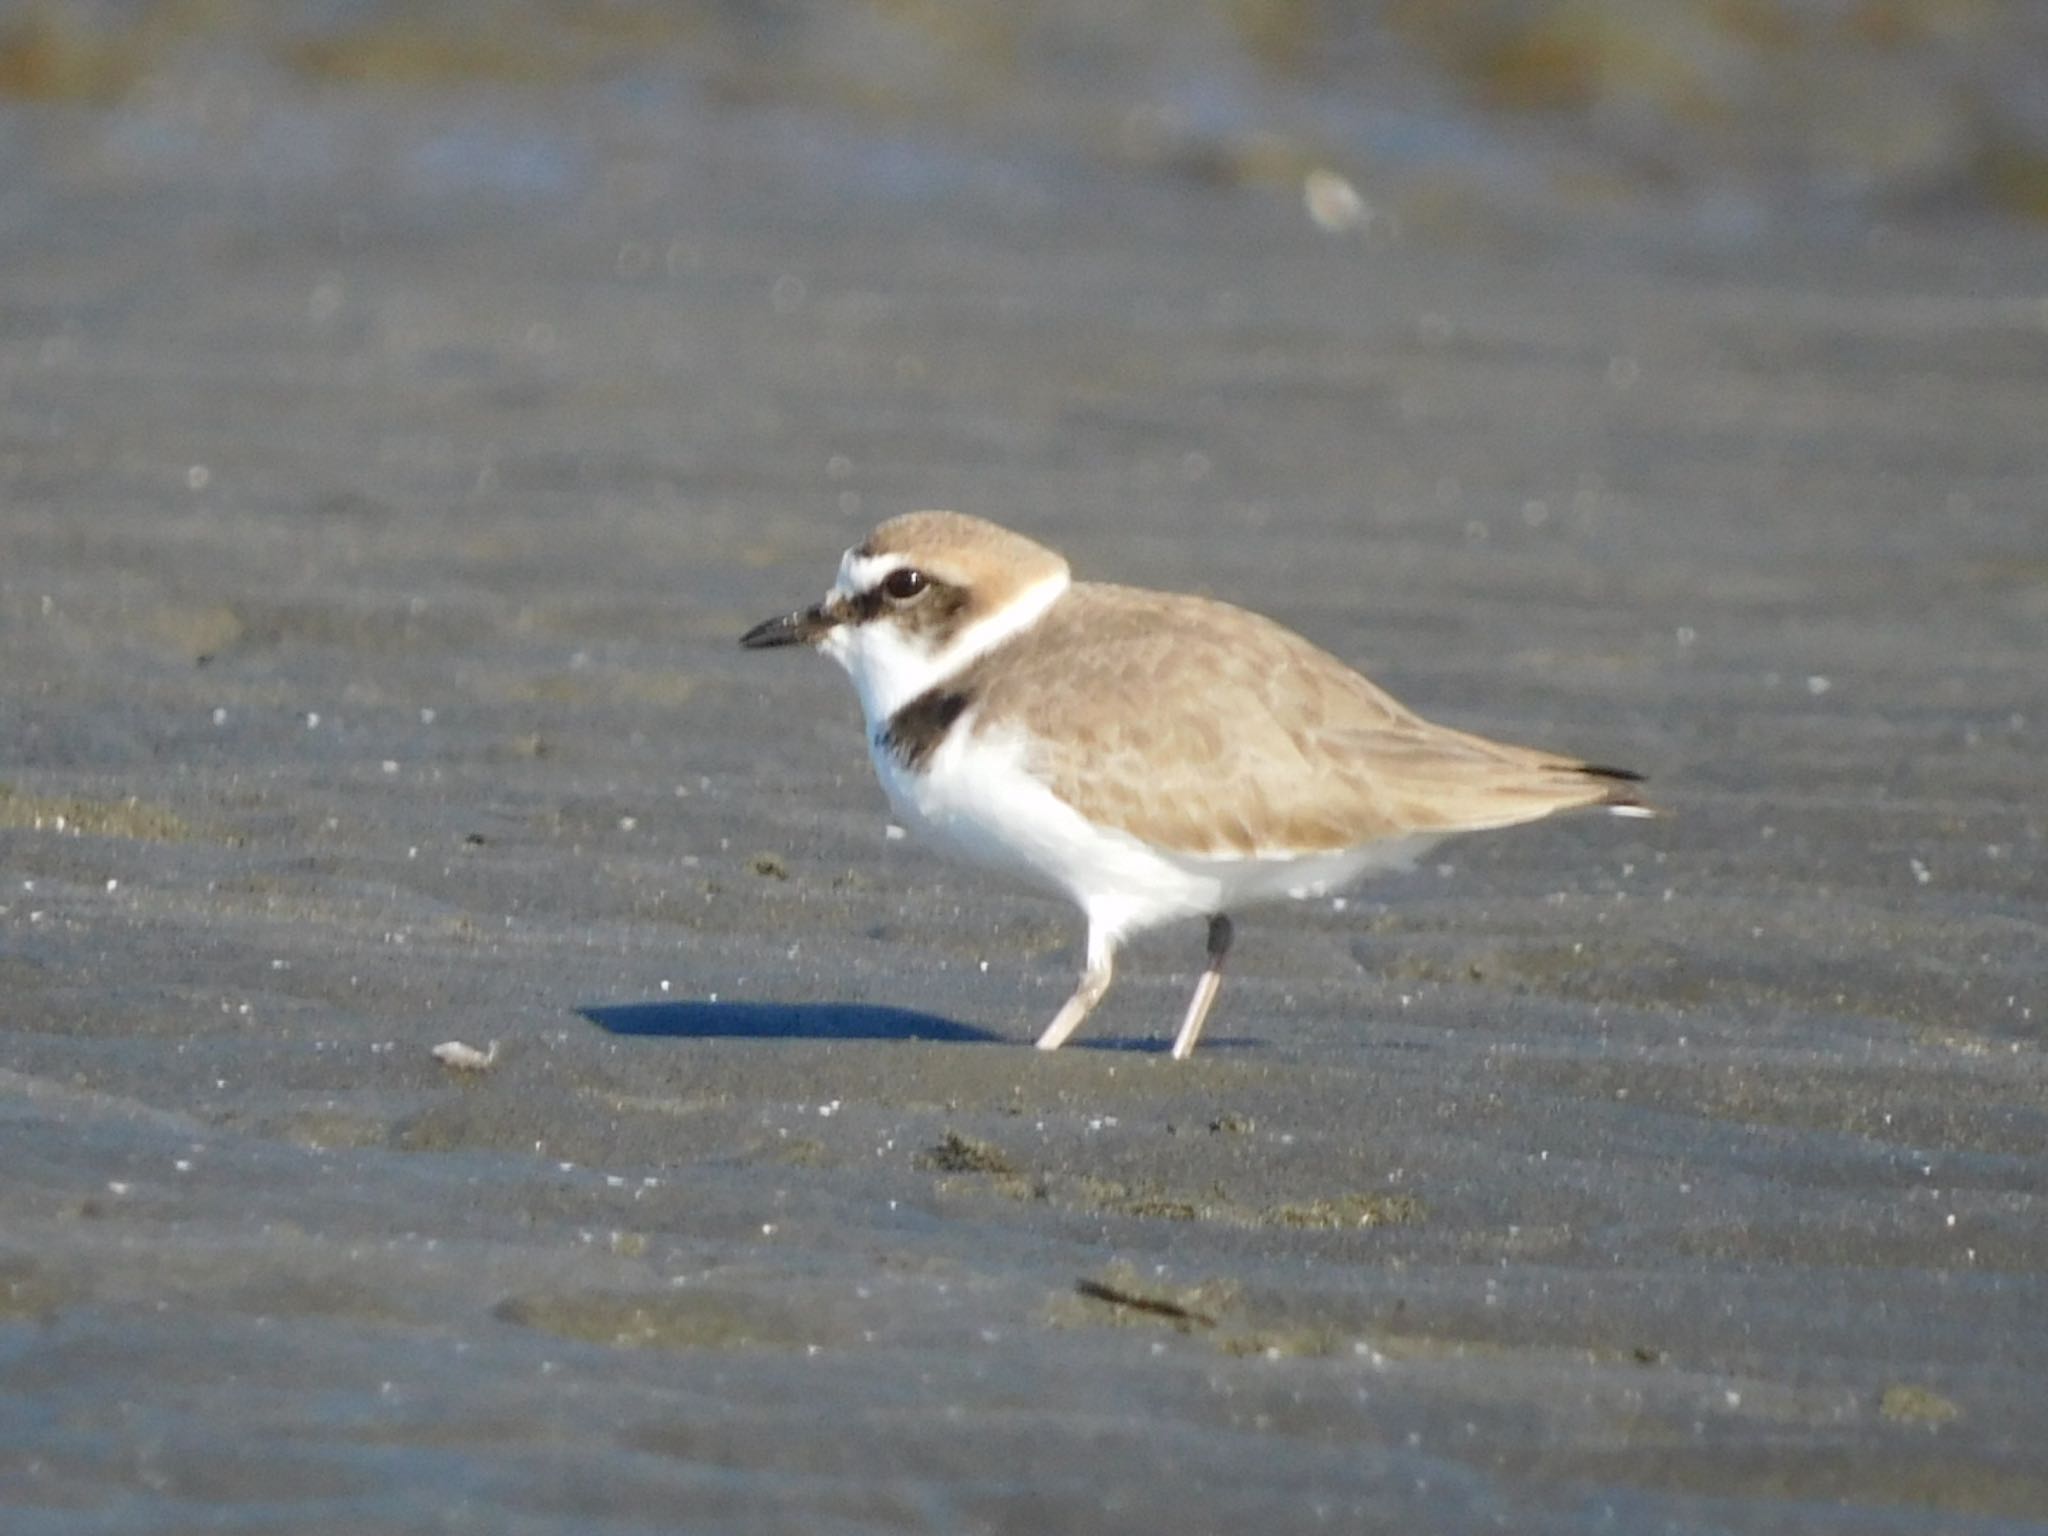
969 1164
681 1320
130 818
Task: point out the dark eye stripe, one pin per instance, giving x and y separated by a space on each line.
939 609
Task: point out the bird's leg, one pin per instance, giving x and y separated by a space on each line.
1205 989
1094 982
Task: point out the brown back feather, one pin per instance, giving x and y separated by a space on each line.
1206 729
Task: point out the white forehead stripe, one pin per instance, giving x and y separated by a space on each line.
858 573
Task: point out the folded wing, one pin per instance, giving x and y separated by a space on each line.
1208 730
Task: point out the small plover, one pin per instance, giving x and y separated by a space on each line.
1148 755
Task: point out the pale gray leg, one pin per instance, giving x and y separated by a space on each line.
1205 989
1094 982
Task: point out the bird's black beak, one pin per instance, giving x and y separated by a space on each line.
803 627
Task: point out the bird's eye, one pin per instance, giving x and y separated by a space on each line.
903 585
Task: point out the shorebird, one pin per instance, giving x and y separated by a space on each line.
1148 755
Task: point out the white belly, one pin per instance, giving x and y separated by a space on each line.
974 795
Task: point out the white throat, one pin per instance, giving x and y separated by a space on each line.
890 666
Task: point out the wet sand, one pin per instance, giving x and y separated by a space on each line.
384 479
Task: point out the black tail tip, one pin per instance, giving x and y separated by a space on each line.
1620 798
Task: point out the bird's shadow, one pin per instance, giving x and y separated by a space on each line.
780 1021
833 1021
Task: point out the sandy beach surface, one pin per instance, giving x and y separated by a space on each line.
387 467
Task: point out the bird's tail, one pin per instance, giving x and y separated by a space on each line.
1621 796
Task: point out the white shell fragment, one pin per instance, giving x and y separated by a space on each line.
464 1057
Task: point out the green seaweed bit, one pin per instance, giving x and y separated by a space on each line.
1904 1403
1163 1208
956 1153
130 818
1358 1210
